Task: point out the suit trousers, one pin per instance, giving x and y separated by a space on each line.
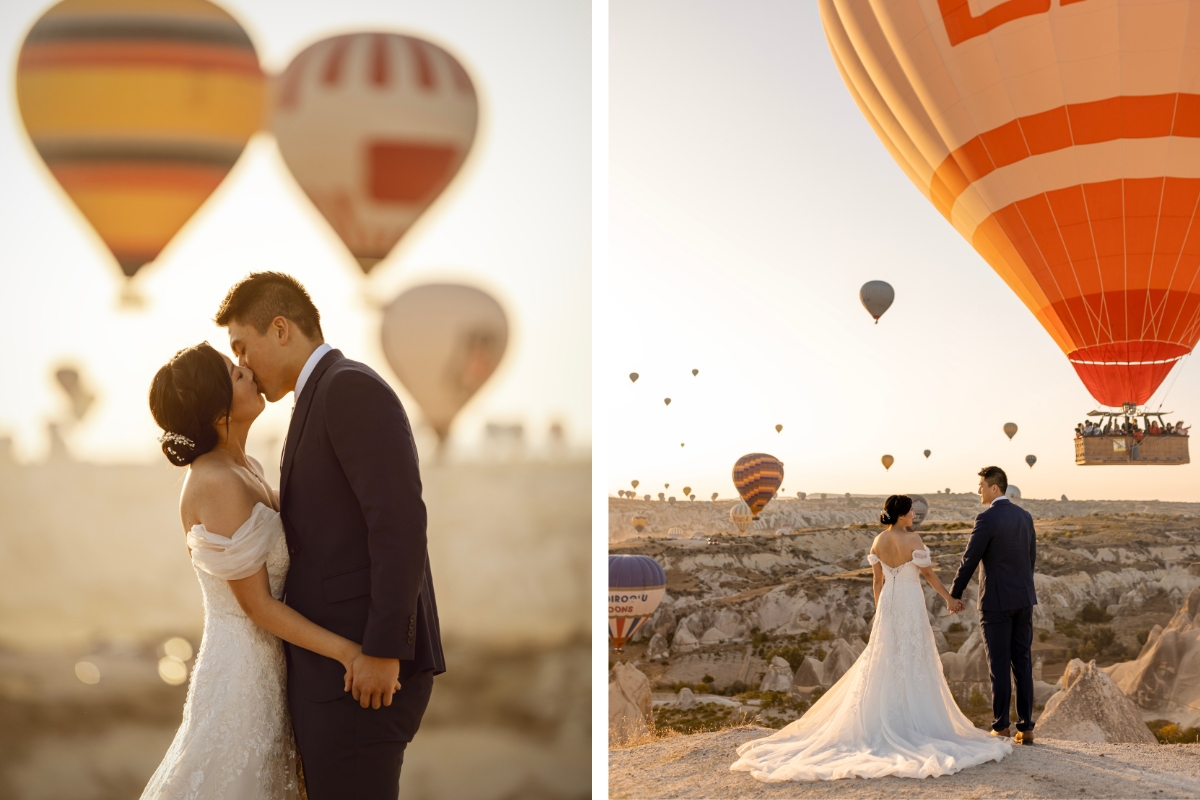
1008 636
351 751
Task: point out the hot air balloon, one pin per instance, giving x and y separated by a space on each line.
633 376
443 341
1012 492
681 444
374 126
695 372
1059 141
691 497
620 492
81 399
714 495
920 507
662 497
1010 430
947 490
646 497
741 517
677 533
639 522
779 429
757 477
636 585
634 484
801 495
687 490
666 401
876 297
139 111
927 452
671 499
887 462
1031 460
666 486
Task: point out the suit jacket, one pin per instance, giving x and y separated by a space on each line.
1003 540
350 498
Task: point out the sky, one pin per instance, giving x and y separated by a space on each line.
749 202
515 222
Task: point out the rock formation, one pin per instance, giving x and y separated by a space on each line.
629 714
1165 677
970 663
657 648
684 640
685 699
809 675
841 657
1092 708
778 678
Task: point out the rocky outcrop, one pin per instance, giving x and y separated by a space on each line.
841 657
657 648
778 678
685 699
1092 708
970 663
629 715
809 675
684 641
1165 677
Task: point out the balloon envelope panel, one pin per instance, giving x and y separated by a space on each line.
1062 140
139 111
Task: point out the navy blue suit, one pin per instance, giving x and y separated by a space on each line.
350 498
1004 542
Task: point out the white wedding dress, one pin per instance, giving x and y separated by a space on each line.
890 714
235 741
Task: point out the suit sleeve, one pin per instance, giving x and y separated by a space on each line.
1032 545
373 442
976 546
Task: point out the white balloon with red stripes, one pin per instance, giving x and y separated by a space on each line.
374 126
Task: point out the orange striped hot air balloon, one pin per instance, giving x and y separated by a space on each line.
139 109
757 477
373 126
1061 138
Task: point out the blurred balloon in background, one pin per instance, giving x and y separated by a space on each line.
887 462
444 341
1010 430
139 110
741 517
72 384
639 522
374 126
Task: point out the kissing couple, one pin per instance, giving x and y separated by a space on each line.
892 712
321 637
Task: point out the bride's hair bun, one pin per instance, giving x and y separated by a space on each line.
894 508
188 394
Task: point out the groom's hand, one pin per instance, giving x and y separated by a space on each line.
374 680
956 606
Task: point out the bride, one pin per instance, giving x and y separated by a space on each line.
892 712
235 740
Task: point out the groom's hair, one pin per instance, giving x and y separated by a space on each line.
262 296
994 476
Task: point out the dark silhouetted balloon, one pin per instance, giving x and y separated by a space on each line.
1010 429
695 372
633 376
887 461
1031 460
876 297
927 453
779 429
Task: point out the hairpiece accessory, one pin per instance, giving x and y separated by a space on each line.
176 438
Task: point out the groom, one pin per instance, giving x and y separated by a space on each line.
350 499
1003 539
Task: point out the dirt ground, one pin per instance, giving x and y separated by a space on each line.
697 767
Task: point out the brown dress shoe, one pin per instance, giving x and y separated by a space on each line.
1003 733
1023 737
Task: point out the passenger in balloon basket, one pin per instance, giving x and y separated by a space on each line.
334 563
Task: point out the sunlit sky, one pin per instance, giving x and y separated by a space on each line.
749 202
515 222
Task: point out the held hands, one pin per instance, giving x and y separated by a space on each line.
954 606
371 681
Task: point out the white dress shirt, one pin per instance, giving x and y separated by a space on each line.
309 366
998 499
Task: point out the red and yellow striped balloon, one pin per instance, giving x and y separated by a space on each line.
139 109
757 477
1061 138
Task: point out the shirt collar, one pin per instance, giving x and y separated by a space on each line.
998 499
309 366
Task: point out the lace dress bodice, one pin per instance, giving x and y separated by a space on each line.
235 740
891 713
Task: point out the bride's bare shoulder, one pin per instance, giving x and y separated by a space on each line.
210 487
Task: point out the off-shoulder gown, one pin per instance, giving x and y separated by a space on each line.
235 741
890 714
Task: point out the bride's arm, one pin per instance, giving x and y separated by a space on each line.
876 581
254 596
